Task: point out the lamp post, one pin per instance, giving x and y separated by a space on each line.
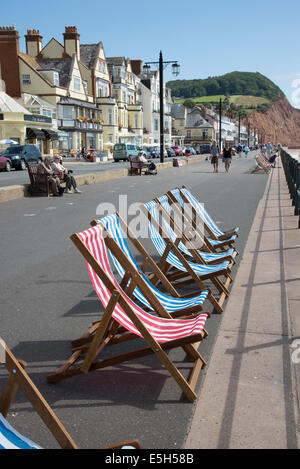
220 126
175 70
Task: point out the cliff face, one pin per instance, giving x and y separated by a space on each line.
279 124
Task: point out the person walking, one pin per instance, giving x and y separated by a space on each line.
246 150
214 155
240 150
227 157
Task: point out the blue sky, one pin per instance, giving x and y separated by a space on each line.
208 38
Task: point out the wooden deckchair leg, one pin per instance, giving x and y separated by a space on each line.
9 392
94 347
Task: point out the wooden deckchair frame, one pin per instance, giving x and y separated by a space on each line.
225 241
18 378
196 256
190 221
107 334
190 276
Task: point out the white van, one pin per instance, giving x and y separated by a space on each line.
122 151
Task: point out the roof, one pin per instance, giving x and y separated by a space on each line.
63 67
88 54
8 104
178 111
116 60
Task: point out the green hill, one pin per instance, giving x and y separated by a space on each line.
232 84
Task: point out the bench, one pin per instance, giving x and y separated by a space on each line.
39 182
137 166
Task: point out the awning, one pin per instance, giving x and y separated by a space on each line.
50 134
35 133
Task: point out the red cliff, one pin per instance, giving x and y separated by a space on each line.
280 124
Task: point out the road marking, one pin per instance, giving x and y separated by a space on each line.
29 214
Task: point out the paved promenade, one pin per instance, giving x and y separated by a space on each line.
247 389
250 395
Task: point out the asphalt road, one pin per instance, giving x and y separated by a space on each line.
47 300
21 177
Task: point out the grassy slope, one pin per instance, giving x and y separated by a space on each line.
238 99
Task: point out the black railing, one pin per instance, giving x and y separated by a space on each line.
291 169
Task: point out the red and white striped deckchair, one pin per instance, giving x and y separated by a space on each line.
122 314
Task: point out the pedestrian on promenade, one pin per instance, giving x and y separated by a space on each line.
240 150
67 174
269 149
246 150
227 157
45 168
214 155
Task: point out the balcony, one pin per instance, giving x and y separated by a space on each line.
78 124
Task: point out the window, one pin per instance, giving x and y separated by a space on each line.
85 86
67 112
136 120
110 117
156 124
56 78
26 80
77 84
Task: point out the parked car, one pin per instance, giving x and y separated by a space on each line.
171 153
155 152
204 149
197 149
5 163
20 155
190 151
178 151
122 151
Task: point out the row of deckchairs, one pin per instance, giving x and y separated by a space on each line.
147 302
263 164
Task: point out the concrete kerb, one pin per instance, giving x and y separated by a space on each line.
17 192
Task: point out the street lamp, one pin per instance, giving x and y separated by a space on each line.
175 71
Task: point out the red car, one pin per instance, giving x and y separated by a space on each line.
5 163
178 151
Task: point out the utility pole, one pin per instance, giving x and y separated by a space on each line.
239 128
162 111
220 126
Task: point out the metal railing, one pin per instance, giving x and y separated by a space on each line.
291 169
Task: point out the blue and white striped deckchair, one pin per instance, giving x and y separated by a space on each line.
205 257
171 304
173 257
213 229
212 242
11 439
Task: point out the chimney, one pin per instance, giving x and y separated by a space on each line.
9 60
33 42
136 66
72 41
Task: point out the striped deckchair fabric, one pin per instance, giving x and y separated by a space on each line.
211 226
171 304
206 257
11 439
122 312
172 258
